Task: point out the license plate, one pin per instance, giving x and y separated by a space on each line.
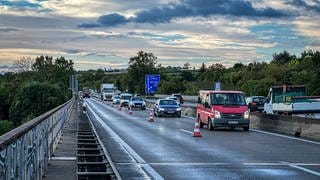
260 107
233 122
170 111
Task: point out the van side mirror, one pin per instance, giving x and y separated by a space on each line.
206 105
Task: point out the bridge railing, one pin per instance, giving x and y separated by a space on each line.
25 151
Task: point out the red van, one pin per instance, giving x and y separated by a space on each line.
222 109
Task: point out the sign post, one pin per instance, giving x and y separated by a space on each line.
151 83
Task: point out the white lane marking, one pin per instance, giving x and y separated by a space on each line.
64 158
285 136
302 168
134 155
183 130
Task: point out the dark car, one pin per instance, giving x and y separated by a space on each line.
167 107
179 96
256 103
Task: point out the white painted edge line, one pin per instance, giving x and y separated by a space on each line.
64 158
302 168
285 136
147 167
186 131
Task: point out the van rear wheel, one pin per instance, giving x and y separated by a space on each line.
209 125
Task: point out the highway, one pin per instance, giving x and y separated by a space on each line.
166 149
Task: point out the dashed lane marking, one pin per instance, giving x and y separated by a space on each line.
186 131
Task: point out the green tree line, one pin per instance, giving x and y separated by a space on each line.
37 86
254 78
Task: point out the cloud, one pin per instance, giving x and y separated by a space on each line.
189 8
19 4
7 30
309 6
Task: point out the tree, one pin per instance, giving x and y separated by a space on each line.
24 64
282 58
186 65
34 99
140 65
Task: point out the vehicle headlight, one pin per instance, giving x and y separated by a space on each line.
161 109
143 103
246 115
217 114
178 109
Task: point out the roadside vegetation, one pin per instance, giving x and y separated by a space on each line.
42 84
254 78
36 87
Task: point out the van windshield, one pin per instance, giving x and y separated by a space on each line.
236 99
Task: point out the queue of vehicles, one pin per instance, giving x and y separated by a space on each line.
232 109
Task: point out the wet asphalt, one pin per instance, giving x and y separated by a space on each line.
167 149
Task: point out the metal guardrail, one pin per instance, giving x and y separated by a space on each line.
25 150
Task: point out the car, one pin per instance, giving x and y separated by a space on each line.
116 99
179 96
256 103
174 98
137 102
124 99
167 107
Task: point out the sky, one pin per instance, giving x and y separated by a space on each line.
106 33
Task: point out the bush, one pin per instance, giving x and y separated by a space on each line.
5 126
34 99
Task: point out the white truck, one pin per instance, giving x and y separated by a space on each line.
107 92
292 100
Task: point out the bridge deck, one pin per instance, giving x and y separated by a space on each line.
63 164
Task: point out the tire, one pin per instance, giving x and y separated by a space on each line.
209 125
179 115
200 123
246 128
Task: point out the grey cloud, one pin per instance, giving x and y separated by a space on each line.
72 51
6 30
188 8
112 19
315 43
302 3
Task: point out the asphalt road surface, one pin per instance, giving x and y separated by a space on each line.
166 149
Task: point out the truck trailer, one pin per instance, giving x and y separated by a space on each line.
292 100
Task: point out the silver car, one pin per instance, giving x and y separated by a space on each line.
116 99
137 102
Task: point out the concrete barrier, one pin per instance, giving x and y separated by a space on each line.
291 125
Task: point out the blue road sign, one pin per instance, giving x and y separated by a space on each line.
151 83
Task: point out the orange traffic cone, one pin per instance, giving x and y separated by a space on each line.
130 111
196 130
151 116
